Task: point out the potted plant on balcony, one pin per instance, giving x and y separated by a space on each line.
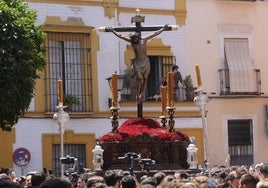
189 88
69 100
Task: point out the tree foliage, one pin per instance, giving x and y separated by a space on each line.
22 55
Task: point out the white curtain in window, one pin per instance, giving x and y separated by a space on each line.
240 66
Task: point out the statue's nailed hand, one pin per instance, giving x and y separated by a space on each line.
166 27
109 28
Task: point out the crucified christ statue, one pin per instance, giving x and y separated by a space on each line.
141 63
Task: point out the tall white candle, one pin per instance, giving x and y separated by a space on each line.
114 89
163 90
170 84
60 92
198 76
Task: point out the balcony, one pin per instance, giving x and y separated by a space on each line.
240 83
128 94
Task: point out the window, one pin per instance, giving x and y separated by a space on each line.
239 64
68 57
160 66
73 150
240 142
237 73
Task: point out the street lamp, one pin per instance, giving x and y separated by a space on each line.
61 119
201 100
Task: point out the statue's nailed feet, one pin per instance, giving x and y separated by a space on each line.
139 99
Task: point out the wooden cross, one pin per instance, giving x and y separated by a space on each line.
137 19
138 28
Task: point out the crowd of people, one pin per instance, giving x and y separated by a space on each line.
219 177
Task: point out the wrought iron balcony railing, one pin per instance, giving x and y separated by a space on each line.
239 83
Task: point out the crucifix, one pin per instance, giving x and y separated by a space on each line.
140 63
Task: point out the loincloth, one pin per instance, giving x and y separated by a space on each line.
141 67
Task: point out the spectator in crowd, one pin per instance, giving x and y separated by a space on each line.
56 182
100 185
262 184
166 181
94 179
8 184
263 172
248 181
37 179
159 176
4 176
87 175
22 181
129 181
149 181
233 179
28 182
14 177
184 175
80 182
112 179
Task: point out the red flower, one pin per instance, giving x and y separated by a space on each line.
138 126
111 137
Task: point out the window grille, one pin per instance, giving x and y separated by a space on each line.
225 83
69 59
73 150
240 142
160 66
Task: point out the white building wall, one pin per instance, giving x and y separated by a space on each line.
203 48
110 58
200 37
151 4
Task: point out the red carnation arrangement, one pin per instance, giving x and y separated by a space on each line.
135 127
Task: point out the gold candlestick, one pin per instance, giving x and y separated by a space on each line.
163 121
114 119
171 121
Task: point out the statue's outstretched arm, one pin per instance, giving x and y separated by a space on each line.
119 35
156 33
